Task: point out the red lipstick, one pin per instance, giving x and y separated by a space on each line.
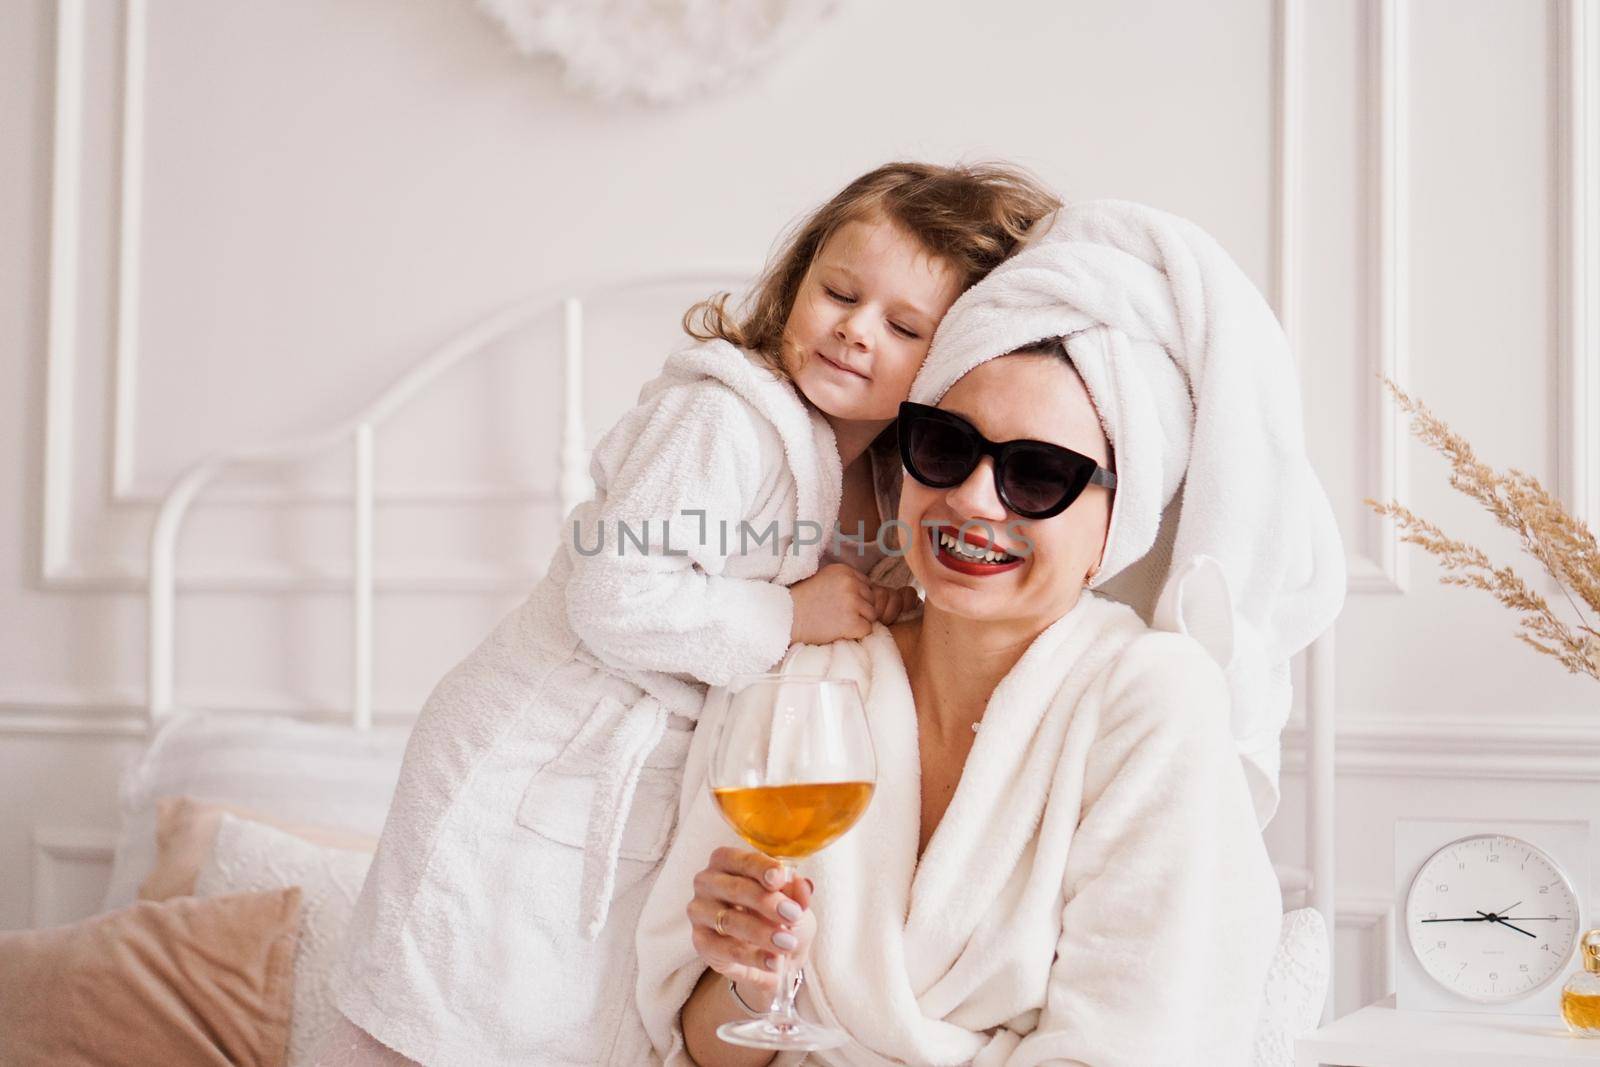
962 564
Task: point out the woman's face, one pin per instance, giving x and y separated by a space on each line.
1017 396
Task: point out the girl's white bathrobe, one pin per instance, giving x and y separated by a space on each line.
540 785
1097 891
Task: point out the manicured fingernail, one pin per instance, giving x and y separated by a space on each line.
773 877
811 887
789 910
770 962
786 941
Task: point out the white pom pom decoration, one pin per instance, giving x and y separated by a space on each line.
660 51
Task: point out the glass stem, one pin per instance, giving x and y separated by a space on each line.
782 1009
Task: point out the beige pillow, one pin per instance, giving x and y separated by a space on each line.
180 983
186 828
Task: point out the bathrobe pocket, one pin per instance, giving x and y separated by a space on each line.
560 798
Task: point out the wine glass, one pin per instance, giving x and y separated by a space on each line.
792 770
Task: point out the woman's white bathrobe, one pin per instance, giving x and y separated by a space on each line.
494 929
1096 893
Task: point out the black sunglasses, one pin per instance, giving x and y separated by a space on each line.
1034 479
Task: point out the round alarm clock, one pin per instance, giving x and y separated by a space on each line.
1492 918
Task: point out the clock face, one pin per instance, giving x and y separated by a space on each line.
1492 918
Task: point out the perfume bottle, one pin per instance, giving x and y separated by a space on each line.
1580 997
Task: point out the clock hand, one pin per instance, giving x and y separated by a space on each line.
1481 919
1503 911
1502 922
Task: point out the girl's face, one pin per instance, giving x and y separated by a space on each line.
862 320
1039 397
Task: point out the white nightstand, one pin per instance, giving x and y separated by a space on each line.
1380 1036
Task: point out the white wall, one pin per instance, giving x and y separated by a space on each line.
296 200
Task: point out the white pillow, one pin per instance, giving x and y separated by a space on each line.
296 771
251 856
1297 982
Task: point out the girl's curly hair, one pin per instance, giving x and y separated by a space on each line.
970 216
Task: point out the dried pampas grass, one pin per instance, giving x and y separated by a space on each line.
1564 546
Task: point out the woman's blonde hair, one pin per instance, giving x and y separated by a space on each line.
971 217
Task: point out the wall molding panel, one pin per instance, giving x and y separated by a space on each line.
61 330
1289 66
1577 91
1382 567
65 436
1371 916
451 579
72 719
63 358
95 717
61 854
1425 746
130 223
1369 745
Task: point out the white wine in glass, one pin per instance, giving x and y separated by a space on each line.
793 769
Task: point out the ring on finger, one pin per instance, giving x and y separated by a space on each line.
722 913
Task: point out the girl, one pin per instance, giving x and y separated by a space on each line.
540 784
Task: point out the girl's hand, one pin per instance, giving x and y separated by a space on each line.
893 603
835 603
759 920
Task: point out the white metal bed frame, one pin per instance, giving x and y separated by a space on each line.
360 430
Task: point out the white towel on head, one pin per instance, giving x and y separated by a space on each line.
1219 527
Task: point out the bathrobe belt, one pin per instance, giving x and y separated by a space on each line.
611 748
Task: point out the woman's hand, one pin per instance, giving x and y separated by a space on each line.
759 919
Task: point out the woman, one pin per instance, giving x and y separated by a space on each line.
1062 862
